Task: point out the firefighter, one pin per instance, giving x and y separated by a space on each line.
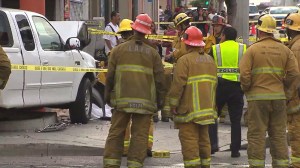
126 32
262 68
181 22
5 68
292 23
227 56
192 99
134 88
218 24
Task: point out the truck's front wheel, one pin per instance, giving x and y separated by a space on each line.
80 110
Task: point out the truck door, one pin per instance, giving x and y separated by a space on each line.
32 79
56 86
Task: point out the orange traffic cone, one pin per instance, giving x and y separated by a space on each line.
252 29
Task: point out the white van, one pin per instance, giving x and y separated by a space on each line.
28 38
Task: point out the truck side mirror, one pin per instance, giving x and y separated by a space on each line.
73 43
260 12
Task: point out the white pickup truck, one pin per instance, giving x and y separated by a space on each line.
28 38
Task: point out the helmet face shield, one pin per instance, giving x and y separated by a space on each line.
185 36
292 21
259 21
289 22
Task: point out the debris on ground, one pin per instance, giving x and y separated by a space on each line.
53 127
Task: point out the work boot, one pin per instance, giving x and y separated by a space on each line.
165 119
149 153
155 118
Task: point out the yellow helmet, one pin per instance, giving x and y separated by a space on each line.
266 23
292 21
125 25
180 18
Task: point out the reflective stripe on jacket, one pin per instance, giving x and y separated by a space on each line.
193 89
227 56
293 105
135 78
264 66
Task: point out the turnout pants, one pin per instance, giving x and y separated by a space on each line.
267 116
294 133
128 135
115 141
195 145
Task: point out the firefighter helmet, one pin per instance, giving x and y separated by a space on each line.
193 37
125 25
180 18
266 23
142 24
292 21
218 20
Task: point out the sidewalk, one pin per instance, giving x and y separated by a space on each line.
88 141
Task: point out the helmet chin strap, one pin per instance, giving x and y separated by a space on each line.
288 33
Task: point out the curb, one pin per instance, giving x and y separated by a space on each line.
46 149
25 120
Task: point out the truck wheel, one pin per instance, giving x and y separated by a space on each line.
80 110
97 99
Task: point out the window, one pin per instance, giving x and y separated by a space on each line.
26 33
253 9
285 10
49 38
6 39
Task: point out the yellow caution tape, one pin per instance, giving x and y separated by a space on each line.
152 37
54 68
167 38
161 154
161 36
62 68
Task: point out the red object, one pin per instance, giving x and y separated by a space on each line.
37 6
282 24
142 24
193 37
253 30
67 9
168 45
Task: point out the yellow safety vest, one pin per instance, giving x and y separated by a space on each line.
227 56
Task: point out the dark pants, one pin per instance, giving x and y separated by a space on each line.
229 93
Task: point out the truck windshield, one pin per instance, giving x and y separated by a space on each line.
283 10
253 9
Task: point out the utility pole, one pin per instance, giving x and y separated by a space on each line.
241 20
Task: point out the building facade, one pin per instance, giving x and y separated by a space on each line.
89 9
